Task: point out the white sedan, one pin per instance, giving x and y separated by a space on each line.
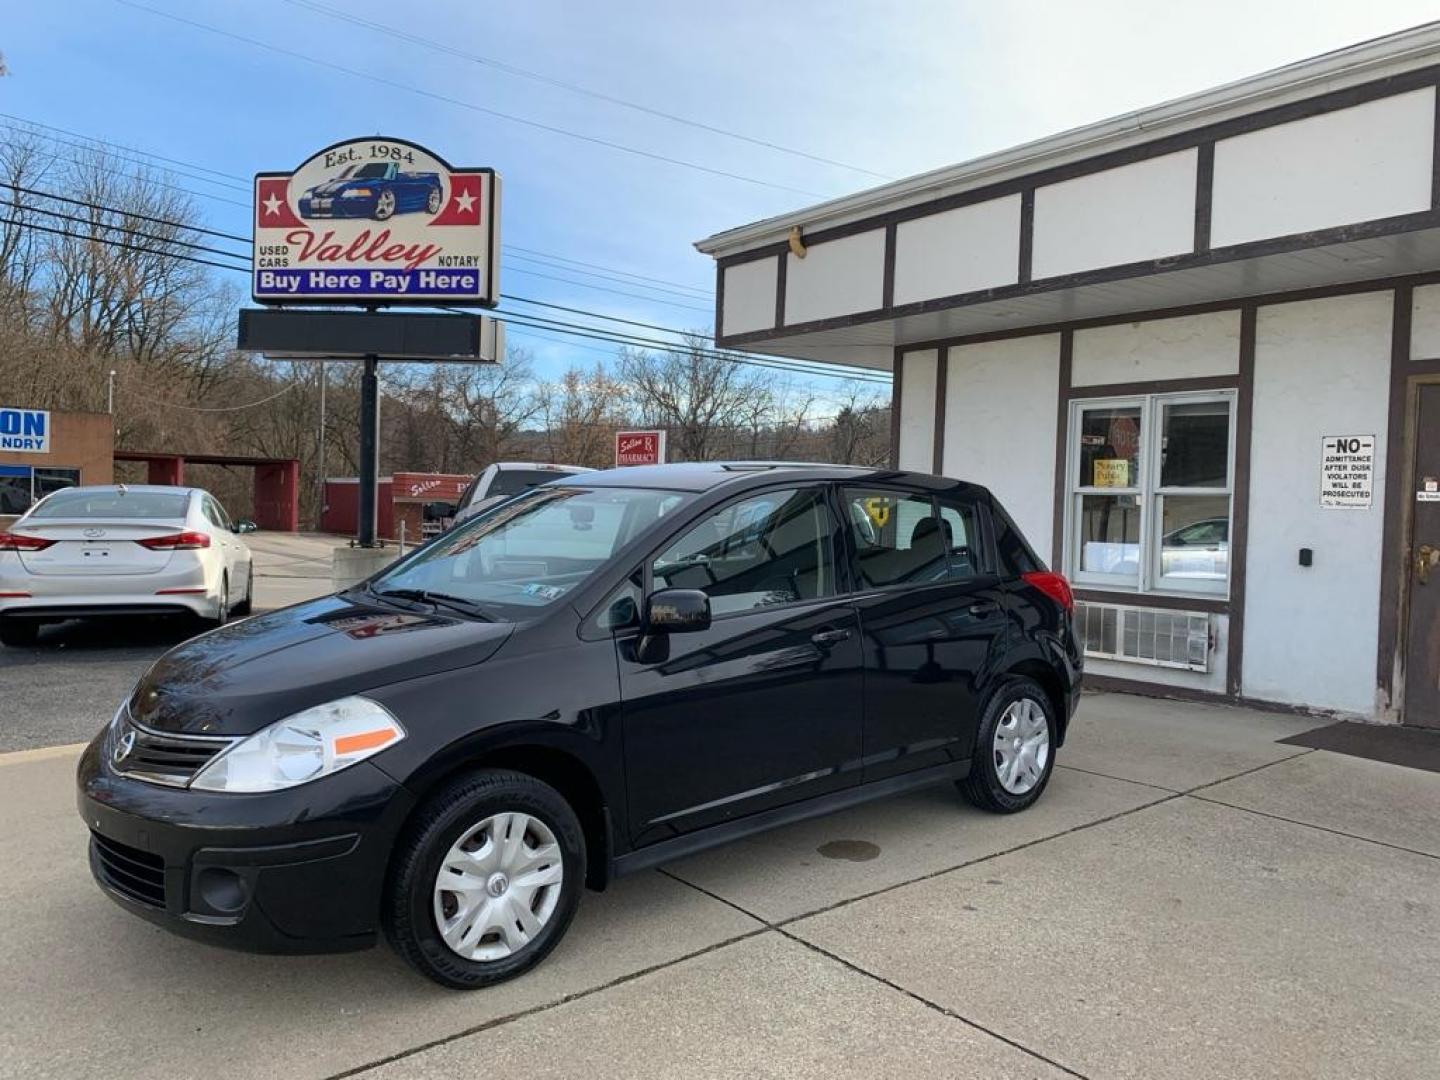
122 550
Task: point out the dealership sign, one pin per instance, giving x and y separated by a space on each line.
639 448
25 430
377 221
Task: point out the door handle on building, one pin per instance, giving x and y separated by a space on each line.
1425 558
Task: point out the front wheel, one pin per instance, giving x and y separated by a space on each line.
1014 748
486 880
385 205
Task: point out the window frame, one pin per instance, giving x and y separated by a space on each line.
1149 494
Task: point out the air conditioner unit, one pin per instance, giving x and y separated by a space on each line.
1137 635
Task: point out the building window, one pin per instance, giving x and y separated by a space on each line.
22 486
1149 493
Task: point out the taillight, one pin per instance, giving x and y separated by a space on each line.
16 542
182 541
1054 586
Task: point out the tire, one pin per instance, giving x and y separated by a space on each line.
222 612
244 607
384 206
469 811
19 633
1016 707
432 203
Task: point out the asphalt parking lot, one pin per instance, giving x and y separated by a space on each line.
1191 898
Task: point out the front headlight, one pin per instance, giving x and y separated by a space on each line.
357 193
304 747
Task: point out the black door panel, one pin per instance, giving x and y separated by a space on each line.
760 710
929 653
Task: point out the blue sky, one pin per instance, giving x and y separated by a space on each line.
895 88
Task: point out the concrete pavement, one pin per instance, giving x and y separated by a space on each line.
1214 905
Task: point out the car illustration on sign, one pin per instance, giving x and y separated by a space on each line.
378 190
377 221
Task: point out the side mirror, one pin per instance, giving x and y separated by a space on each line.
436 511
677 611
245 525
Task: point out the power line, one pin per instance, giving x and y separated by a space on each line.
470 105
218 409
511 69
692 294
124 155
120 229
793 366
606 288
149 180
511 249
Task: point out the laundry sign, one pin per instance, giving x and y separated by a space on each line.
1347 471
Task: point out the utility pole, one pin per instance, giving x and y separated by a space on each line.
369 449
110 394
320 464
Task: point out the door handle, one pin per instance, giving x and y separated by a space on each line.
984 607
830 637
1425 558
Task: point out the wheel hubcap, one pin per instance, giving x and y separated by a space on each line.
498 886
1022 746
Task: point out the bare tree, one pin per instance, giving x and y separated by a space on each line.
582 412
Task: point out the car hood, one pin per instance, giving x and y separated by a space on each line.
244 676
335 187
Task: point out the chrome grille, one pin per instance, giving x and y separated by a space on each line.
161 757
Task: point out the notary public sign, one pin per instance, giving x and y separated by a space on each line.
377 221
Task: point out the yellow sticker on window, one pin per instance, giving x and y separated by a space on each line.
877 509
1112 472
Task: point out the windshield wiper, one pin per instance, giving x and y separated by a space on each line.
435 599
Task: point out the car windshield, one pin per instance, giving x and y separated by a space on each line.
87 503
368 172
531 551
514 481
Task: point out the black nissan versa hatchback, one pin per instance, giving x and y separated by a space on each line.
604 673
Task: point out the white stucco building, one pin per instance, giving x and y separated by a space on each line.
1194 349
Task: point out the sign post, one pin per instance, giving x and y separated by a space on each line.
375 223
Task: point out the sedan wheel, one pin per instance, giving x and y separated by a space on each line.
485 880
499 885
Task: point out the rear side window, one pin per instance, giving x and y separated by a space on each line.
514 481
1015 555
910 539
113 505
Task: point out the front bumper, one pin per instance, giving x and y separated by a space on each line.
337 207
291 871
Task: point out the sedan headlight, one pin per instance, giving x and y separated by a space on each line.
304 747
357 193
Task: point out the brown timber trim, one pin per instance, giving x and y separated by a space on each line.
1204 192
1062 435
1315 292
1110 684
719 307
1435 156
1214 605
1155 386
1027 235
781 266
887 285
895 384
1240 500
1389 86
1392 562
942 367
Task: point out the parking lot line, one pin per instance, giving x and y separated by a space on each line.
42 753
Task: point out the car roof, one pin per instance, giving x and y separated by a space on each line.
542 465
705 475
148 488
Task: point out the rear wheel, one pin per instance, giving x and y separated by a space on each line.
432 204
222 610
1014 748
19 633
244 607
486 880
